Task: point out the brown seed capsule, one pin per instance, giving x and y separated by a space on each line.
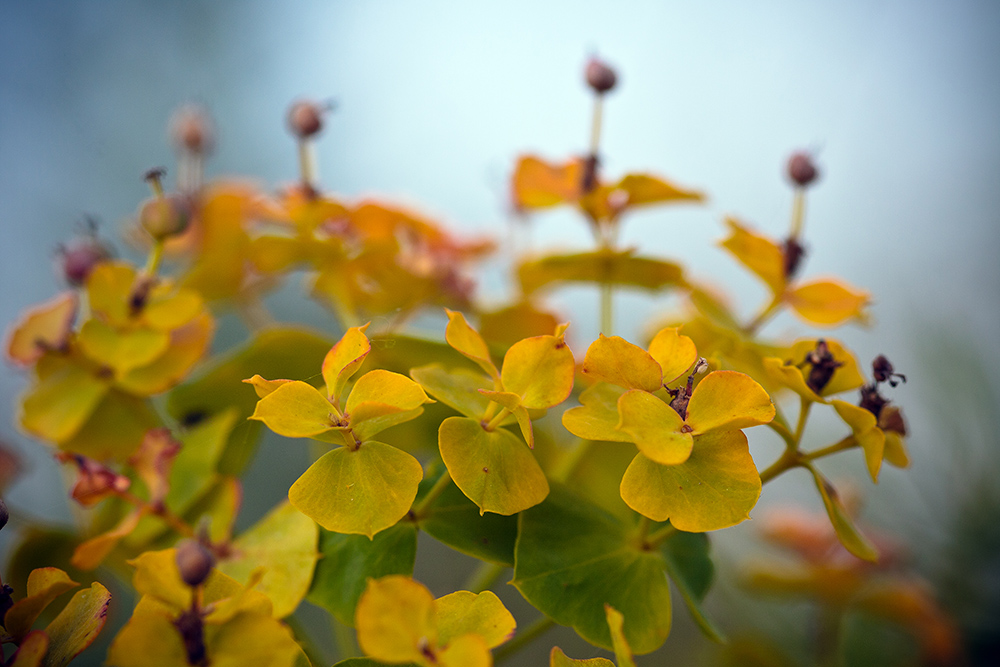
801 169
600 76
194 561
165 216
191 129
305 118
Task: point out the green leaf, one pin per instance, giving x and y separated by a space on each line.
368 662
115 429
121 350
559 659
715 488
455 520
458 388
493 468
848 534
58 406
348 561
283 542
360 491
691 569
77 625
274 353
463 612
572 558
601 266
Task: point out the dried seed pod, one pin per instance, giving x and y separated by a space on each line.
801 169
165 216
194 561
600 76
305 118
78 259
192 130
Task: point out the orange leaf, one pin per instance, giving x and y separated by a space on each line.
44 327
539 184
829 303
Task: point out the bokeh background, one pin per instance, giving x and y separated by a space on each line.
899 100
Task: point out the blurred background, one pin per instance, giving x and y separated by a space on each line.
898 99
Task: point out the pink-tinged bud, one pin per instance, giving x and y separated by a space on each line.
165 216
192 130
305 118
801 169
95 481
194 562
600 76
77 259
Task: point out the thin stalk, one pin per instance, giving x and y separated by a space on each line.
800 427
847 443
595 127
522 639
798 212
764 315
568 463
484 576
658 537
307 165
432 495
493 423
785 434
155 258
643 529
344 640
788 460
607 303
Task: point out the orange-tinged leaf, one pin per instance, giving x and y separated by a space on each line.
829 303
654 427
467 340
31 651
540 370
264 387
395 620
848 534
154 460
492 468
45 584
866 432
91 553
464 651
728 400
296 410
758 253
616 622
650 189
44 327
619 362
121 350
597 418
284 543
273 254
382 387
56 408
77 625
559 659
359 492
187 346
538 184
675 353
463 612
220 267
344 359
715 488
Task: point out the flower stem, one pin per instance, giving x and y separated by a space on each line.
484 576
798 212
595 127
607 303
788 460
658 537
785 434
439 486
847 443
155 258
764 315
522 639
804 407
493 423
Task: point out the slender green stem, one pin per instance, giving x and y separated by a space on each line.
764 315
847 443
309 647
788 460
595 127
523 638
569 461
805 406
642 531
658 537
493 423
307 166
607 304
484 576
155 258
785 434
439 486
798 212
344 640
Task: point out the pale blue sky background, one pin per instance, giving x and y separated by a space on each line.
900 97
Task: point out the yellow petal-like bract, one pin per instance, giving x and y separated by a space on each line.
615 360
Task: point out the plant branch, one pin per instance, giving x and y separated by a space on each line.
420 508
522 639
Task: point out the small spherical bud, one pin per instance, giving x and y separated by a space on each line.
801 169
165 216
191 129
79 258
194 561
600 76
305 118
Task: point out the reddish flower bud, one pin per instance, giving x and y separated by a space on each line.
801 169
191 129
78 259
600 76
95 481
194 562
165 216
305 118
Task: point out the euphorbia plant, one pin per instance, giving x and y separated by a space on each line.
597 507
